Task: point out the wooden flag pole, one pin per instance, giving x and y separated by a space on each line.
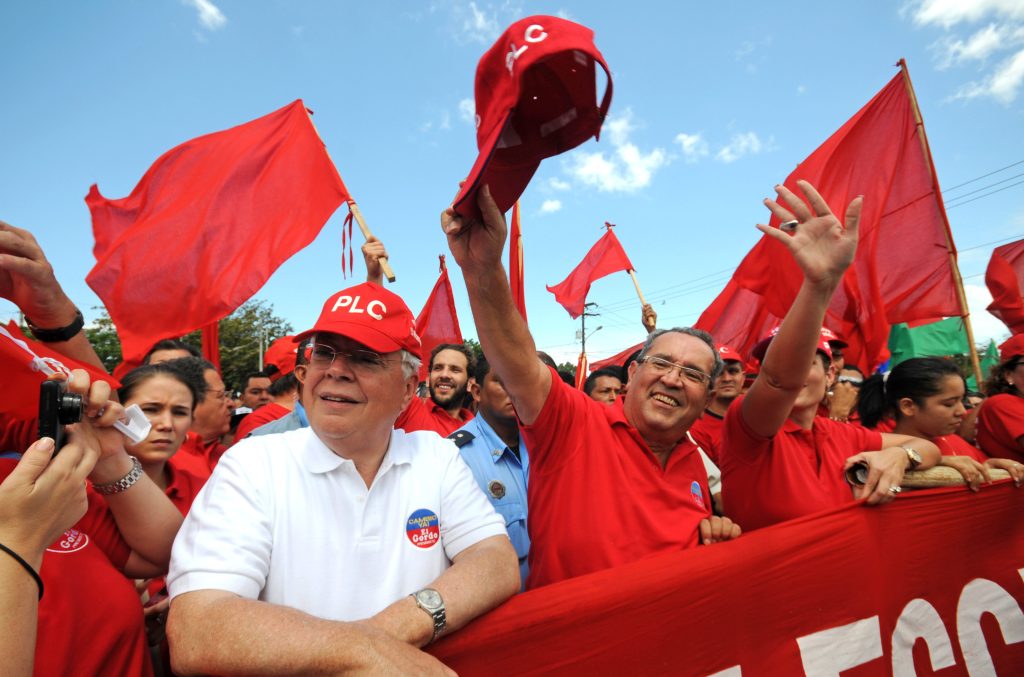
958 281
358 215
637 285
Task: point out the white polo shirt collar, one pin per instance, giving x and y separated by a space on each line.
318 458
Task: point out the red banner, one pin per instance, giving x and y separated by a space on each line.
1005 280
932 582
606 257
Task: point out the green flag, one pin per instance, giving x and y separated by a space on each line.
938 339
988 360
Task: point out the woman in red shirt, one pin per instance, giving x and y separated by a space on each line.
1001 417
924 395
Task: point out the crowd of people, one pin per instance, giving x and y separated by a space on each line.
335 517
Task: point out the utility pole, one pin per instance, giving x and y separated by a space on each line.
583 325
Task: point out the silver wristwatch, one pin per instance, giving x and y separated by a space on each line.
913 458
430 601
122 484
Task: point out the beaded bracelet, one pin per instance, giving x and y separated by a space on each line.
28 567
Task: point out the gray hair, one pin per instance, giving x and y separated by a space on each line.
716 366
411 364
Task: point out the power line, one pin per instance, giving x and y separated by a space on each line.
979 178
991 185
961 204
985 244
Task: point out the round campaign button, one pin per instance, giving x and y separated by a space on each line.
696 494
423 528
72 540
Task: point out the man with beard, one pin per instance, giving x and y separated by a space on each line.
491 447
447 383
448 372
707 430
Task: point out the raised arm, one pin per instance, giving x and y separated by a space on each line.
824 249
504 336
373 251
28 281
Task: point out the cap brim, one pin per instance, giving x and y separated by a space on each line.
371 338
506 181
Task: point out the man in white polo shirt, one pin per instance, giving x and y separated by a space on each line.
345 545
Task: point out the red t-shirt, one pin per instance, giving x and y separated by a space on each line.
90 619
598 497
954 445
198 458
182 487
795 472
426 415
1001 425
265 414
707 432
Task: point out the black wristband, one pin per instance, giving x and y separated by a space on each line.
59 334
28 567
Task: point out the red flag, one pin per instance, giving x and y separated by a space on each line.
25 364
208 224
438 323
581 371
211 344
1005 280
604 258
902 270
516 279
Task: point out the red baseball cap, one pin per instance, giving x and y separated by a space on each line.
371 315
1012 347
833 338
281 354
762 346
727 353
536 96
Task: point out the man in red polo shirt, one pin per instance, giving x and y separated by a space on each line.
609 484
447 384
447 374
707 430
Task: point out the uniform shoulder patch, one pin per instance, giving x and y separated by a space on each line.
461 438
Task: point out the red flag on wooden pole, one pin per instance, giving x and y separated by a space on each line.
902 271
438 323
516 278
1004 278
208 224
606 257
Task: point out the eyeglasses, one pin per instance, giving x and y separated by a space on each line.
662 367
361 361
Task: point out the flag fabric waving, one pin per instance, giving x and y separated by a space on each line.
902 271
604 258
1004 278
208 224
437 323
516 278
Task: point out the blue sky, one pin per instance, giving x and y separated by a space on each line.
713 105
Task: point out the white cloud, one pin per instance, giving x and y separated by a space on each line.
1004 34
747 143
801 89
467 111
473 23
210 16
446 120
626 168
948 13
694 146
986 325
556 183
1002 85
550 206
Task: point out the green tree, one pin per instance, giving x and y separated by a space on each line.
103 337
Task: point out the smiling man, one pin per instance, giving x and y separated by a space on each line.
447 383
346 545
626 469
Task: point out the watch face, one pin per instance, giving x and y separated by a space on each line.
430 598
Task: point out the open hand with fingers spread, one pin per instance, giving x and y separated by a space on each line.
822 246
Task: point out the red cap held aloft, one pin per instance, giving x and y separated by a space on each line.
371 315
761 347
536 96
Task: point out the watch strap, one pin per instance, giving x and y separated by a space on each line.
122 484
913 457
437 615
59 334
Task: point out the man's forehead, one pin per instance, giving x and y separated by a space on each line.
213 378
449 356
680 347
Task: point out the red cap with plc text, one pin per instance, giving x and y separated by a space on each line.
762 346
727 353
1012 347
371 315
536 96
